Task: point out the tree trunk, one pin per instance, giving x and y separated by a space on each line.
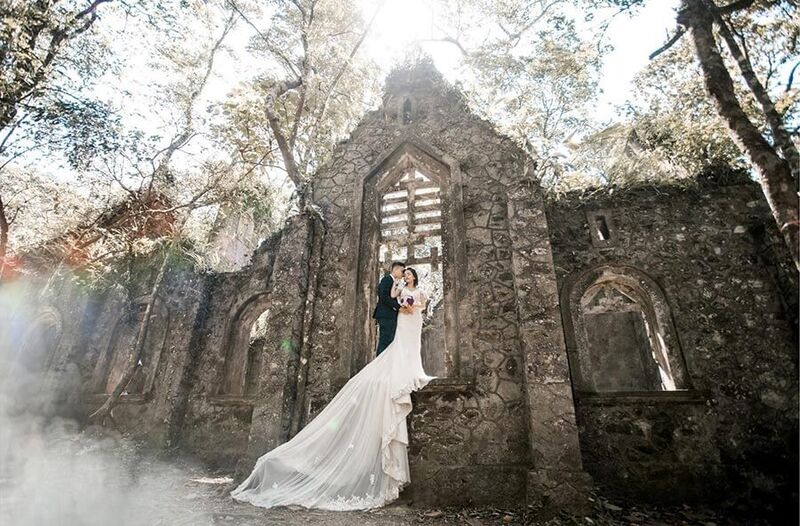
3 238
774 119
134 363
774 171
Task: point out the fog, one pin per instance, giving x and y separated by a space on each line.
54 472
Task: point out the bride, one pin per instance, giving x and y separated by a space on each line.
353 455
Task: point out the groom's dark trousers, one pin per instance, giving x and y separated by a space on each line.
385 313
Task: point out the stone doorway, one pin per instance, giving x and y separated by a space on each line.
408 214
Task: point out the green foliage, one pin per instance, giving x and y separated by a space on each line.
51 56
671 129
333 92
527 68
38 207
192 147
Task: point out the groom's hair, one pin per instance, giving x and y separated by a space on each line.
397 264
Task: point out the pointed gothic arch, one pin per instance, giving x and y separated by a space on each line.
407 176
40 341
243 352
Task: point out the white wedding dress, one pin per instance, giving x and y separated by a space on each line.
353 455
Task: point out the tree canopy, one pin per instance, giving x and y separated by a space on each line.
223 106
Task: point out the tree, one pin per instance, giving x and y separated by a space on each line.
313 89
669 130
41 44
34 208
52 55
526 68
35 37
164 183
316 84
771 150
776 171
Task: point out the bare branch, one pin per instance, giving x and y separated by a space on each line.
516 36
90 9
738 5
162 170
278 53
448 40
118 180
10 131
669 43
607 23
300 8
340 73
247 21
790 80
20 153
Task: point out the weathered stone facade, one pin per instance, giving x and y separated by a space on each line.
640 341
710 259
501 425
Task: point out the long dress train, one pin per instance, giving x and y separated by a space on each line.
353 455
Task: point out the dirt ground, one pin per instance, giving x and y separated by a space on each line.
71 480
214 505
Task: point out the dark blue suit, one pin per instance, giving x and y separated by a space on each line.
386 313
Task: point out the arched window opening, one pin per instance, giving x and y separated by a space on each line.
255 353
39 345
411 231
411 210
626 352
619 333
246 343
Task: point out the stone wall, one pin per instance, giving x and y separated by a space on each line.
145 413
506 407
528 401
241 400
93 329
714 252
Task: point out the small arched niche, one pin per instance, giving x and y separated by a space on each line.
619 332
41 339
245 347
407 111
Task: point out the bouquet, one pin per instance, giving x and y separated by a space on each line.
406 301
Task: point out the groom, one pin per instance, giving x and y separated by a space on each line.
386 309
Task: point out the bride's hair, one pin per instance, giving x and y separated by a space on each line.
414 273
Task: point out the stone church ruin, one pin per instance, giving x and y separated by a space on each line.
642 341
